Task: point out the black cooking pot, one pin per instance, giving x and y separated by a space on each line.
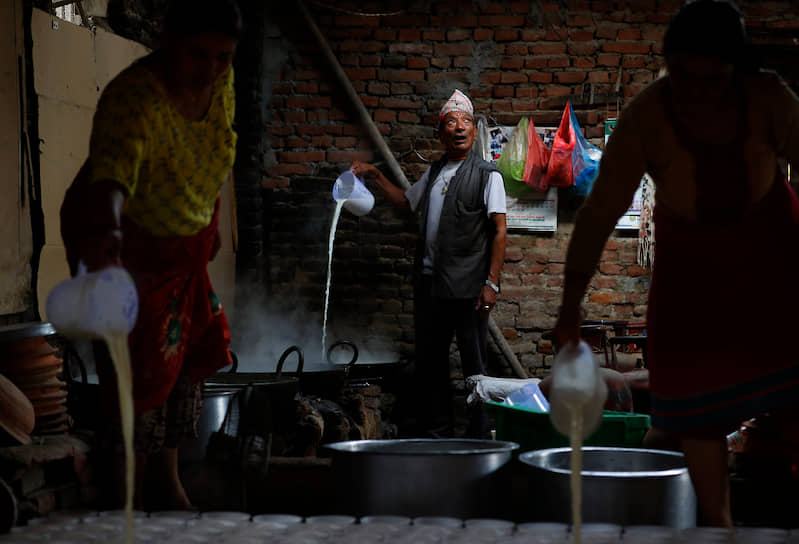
269 399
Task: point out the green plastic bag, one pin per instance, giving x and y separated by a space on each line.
511 162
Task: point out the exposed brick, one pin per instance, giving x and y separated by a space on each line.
633 61
458 35
558 61
579 19
363 46
336 156
558 90
607 31
540 77
526 92
604 297
627 48
400 103
608 60
371 60
277 182
360 74
411 48
582 48
548 48
462 62
512 63
599 76
418 62
535 63
289 169
525 105
408 117
569 77
513 77
308 102
345 141
401 75
385 116
398 88
503 91
381 89
556 35
635 270
483 34
491 78
453 49
434 35
629 34
455 21
506 35
301 156
441 62
583 62
610 269
581 35
409 35
516 49
294 116
385 34
303 87
533 34
369 102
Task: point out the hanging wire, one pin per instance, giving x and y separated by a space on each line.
325 5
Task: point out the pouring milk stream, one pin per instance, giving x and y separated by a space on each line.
576 398
350 193
104 305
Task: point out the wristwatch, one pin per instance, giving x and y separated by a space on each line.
493 286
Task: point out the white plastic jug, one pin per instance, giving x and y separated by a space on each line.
94 305
577 386
357 198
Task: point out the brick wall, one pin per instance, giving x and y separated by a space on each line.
514 59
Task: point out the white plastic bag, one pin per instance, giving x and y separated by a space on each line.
577 389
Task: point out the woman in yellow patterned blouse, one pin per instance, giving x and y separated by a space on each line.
162 146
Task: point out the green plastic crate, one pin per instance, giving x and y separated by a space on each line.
532 430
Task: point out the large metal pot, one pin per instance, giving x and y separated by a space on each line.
238 403
422 477
619 485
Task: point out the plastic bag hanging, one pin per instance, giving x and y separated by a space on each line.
482 143
585 161
511 162
559 171
535 166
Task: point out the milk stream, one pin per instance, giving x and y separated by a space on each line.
332 237
576 440
120 356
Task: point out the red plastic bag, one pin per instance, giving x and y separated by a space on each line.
535 166
559 171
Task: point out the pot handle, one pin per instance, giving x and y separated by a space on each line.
289 351
235 362
344 343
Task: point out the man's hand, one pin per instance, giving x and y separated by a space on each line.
567 328
364 170
487 300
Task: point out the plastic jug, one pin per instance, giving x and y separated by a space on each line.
357 198
577 386
94 305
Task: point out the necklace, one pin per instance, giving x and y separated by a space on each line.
445 186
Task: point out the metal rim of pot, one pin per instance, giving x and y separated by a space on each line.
527 459
373 447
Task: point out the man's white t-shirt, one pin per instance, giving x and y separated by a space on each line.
493 197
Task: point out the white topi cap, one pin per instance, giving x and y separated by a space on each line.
457 102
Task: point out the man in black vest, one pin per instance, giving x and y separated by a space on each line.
460 204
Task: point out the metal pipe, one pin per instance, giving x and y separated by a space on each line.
396 172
